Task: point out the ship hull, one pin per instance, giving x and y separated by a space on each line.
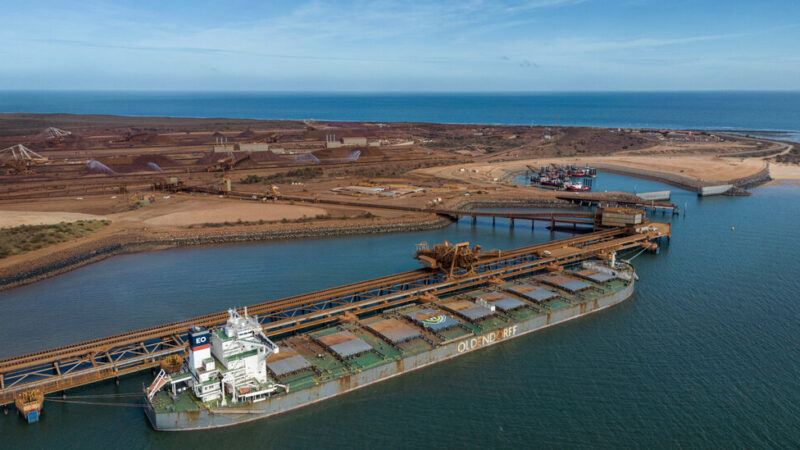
237 414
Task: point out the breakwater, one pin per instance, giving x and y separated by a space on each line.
688 183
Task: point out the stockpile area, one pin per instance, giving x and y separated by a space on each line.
129 164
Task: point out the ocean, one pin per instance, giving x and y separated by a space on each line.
734 111
706 354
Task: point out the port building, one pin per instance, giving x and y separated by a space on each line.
356 141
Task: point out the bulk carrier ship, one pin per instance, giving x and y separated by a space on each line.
236 374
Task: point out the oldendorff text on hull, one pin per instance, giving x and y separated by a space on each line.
236 374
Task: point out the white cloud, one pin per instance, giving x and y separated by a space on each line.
472 44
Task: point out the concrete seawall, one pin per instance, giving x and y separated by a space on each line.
689 183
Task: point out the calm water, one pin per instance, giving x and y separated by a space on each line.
705 354
698 110
606 182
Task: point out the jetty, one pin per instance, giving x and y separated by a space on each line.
583 199
59 369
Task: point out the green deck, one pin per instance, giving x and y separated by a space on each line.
327 366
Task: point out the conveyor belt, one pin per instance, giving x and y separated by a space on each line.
553 216
86 362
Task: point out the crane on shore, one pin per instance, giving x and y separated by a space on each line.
19 159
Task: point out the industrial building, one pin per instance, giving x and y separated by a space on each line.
356 141
223 148
255 147
227 148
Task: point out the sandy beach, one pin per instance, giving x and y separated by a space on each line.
707 168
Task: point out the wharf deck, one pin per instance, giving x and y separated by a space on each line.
87 362
568 217
593 199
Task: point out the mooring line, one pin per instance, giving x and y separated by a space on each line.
131 394
79 402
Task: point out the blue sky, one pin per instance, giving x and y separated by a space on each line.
540 45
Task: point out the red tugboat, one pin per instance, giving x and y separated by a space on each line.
578 173
577 187
586 172
551 182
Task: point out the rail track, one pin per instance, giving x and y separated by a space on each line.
45 184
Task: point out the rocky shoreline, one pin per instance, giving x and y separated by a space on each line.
689 183
47 267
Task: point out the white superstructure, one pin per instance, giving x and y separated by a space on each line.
242 349
227 364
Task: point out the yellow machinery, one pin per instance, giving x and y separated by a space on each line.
272 194
140 199
29 404
169 184
19 160
172 364
449 257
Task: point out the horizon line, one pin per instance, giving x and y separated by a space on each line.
400 92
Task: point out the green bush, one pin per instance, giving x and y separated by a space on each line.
25 238
251 179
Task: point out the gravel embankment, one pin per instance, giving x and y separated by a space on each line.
96 251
